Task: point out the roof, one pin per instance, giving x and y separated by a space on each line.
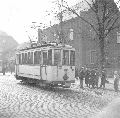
47 45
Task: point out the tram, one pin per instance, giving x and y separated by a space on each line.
50 64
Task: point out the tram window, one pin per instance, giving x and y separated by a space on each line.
72 58
31 58
19 58
57 57
28 57
50 57
65 57
44 58
25 58
37 57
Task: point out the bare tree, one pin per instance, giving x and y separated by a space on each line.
106 15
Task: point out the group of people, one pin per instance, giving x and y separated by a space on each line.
92 78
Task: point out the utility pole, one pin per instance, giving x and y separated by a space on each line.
61 22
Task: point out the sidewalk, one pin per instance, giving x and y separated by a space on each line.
108 86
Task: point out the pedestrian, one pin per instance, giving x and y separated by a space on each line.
11 68
116 81
76 73
81 77
103 79
87 76
97 78
3 69
93 77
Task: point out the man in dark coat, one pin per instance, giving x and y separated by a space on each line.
81 77
87 76
103 79
92 78
97 78
76 73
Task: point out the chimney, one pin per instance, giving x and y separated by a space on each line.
39 36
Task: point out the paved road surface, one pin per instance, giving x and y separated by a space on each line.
22 101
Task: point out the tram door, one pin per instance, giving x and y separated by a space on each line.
57 64
44 65
17 64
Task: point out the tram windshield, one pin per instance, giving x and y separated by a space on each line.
57 57
65 57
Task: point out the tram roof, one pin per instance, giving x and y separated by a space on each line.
54 45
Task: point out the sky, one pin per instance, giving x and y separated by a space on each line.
16 17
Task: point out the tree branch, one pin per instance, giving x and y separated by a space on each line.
111 27
90 5
74 12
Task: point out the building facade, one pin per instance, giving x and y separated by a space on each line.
79 35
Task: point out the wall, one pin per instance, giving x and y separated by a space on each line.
84 41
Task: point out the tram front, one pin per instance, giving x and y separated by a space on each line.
63 72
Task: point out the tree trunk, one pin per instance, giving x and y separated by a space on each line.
102 53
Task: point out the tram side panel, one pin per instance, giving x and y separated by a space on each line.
35 72
29 71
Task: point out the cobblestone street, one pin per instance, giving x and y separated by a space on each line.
22 101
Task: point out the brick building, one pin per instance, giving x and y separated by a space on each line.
79 35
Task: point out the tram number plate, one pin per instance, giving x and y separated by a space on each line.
67 84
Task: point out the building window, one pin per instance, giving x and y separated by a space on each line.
71 34
118 37
56 37
92 56
45 38
107 60
92 34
